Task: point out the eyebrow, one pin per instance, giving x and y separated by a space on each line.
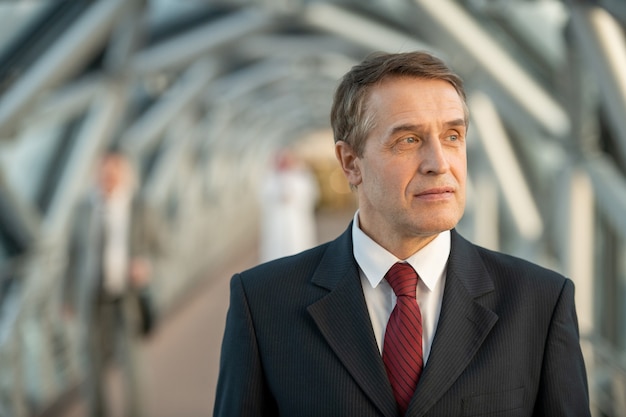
455 123
413 127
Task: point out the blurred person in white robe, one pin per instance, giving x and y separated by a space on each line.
288 197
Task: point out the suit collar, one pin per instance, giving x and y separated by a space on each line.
467 266
343 320
337 262
464 323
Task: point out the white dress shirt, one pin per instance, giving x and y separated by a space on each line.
429 263
116 211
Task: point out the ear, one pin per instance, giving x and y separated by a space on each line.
349 162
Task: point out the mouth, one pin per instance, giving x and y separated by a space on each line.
436 193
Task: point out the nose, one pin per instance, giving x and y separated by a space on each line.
434 160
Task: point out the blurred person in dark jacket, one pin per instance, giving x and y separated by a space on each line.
111 247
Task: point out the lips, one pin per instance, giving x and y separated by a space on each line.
436 191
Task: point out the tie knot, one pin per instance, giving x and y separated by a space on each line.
403 279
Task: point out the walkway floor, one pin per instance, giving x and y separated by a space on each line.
180 361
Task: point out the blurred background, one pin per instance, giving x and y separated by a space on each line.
201 94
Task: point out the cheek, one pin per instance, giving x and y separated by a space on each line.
387 175
458 165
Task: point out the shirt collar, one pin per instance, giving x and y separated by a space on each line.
374 260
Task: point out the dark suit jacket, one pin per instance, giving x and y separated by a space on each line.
299 341
83 282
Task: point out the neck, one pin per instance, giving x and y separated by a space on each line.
399 245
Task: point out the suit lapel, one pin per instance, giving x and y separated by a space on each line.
463 325
343 320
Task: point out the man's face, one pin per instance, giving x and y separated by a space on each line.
112 174
411 175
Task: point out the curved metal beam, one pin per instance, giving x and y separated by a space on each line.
471 37
182 50
67 56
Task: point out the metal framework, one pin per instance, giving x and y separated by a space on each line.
200 99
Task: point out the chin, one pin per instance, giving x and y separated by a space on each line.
436 226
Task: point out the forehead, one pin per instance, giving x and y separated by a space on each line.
405 97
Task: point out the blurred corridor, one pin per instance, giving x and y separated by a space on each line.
201 94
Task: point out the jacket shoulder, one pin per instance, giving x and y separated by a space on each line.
302 264
503 268
522 275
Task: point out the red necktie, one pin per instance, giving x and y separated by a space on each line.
402 348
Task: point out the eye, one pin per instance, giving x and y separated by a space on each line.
405 143
453 138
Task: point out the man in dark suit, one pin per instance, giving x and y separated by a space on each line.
481 333
111 245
